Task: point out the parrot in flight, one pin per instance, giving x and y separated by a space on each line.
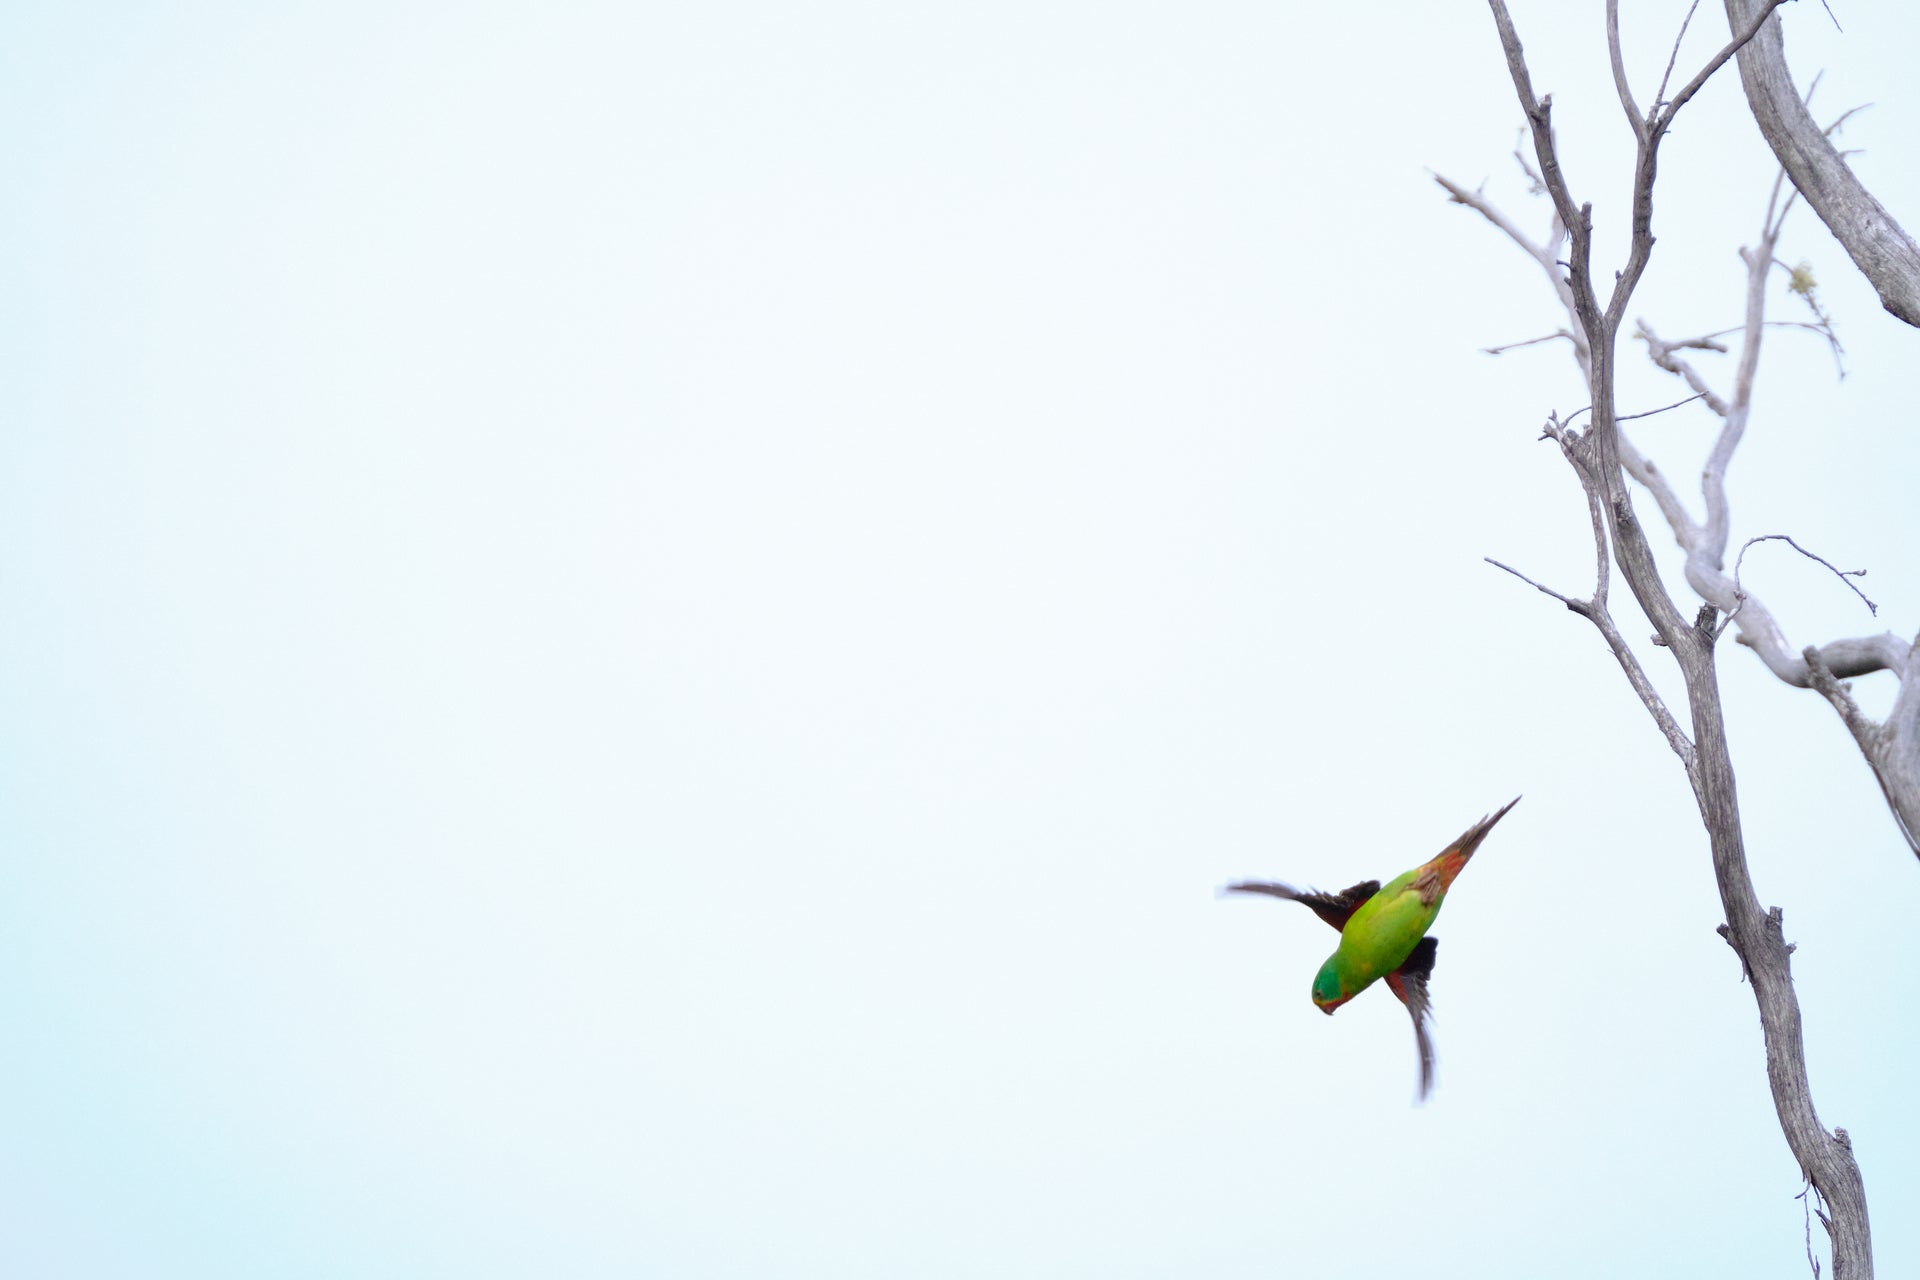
1383 933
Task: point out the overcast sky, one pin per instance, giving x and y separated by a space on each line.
638 636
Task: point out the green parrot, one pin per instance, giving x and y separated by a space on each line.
1383 933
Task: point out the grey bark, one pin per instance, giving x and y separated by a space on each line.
1596 454
1885 254
1891 748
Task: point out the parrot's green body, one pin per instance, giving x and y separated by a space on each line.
1380 936
1383 932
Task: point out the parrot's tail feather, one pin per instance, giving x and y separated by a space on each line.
1453 859
1409 982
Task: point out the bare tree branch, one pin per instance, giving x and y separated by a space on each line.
1555 336
1845 575
1885 253
1625 417
1629 417
1733 46
1806 1220
1756 935
1879 743
1661 352
1862 727
1897 762
1640 251
1546 255
1800 281
1704 543
1568 601
1705 342
1620 85
1667 75
1595 610
1534 185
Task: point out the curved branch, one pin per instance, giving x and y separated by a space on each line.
1885 253
1896 769
1704 544
1545 255
1756 935
1620 84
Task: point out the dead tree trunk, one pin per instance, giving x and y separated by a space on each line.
1597 456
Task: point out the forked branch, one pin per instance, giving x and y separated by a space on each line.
1597 455
1705 541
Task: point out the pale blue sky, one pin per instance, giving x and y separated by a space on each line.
638 636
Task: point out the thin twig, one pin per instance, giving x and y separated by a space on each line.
1535 187
1733 46
1568 601
1800 281
1845 575
1595 610
1845 116
1629 417
1530 342
1674 57
1660 351
1806 1214
1721 333
1545 255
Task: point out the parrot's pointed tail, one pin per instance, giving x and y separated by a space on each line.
1453 859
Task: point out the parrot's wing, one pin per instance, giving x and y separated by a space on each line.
1409 982
1334 908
